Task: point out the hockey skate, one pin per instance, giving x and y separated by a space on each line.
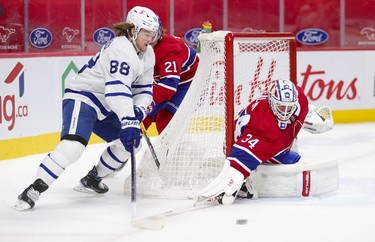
247 190
26 200
91 184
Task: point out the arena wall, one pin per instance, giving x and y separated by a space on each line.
31 89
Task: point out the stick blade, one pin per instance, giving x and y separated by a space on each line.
145 223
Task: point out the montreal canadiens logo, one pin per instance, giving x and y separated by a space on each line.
40 38
103 36
312 36
191 36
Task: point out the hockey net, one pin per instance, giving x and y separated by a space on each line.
234 69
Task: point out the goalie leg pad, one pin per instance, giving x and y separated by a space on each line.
225 185
305 178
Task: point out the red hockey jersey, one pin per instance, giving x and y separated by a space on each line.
175 65
261 138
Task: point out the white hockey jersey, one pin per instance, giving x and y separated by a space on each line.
115 79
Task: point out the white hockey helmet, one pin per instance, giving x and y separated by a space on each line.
282 99
143 18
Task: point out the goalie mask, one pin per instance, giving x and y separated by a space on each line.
282 99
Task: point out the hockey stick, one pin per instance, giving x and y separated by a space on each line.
133 186
150 146
134 221
157 221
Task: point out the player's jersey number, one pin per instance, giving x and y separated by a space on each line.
115 66
250 141
170 66
121 67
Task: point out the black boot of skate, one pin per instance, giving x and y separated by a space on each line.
26 200
248 190
244 192
92 184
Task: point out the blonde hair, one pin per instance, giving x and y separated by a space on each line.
123 29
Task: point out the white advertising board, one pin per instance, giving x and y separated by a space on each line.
343 80
31 87
31 94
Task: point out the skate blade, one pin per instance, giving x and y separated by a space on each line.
82 189
21 205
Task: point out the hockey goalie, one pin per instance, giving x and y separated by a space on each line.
265 133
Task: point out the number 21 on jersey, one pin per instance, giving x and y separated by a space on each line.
170 66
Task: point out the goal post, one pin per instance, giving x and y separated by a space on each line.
281 45
234 69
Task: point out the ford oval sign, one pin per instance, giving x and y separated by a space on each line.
191 36
40 38
103 35
312 36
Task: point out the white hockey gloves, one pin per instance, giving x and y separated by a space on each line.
224 187
318 120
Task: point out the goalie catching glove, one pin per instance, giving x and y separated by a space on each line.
318 120
223 188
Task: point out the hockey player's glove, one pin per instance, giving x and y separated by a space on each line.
318 120
140 113
151 107
130 133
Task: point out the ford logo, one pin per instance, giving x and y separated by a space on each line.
103 36
40 38
312 36
191 36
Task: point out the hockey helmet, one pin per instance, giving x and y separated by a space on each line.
282 99
143 18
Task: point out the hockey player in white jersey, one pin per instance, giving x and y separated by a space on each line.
116 81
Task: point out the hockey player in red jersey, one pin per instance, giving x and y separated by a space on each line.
174 70
265 130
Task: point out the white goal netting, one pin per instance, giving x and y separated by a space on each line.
233 70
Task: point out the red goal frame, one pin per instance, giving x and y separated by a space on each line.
229 74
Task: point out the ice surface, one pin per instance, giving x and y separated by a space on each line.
62 214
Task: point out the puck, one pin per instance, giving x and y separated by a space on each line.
241 221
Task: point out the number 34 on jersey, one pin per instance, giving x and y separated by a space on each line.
250 141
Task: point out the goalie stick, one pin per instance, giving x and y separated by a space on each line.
150 146
157 221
